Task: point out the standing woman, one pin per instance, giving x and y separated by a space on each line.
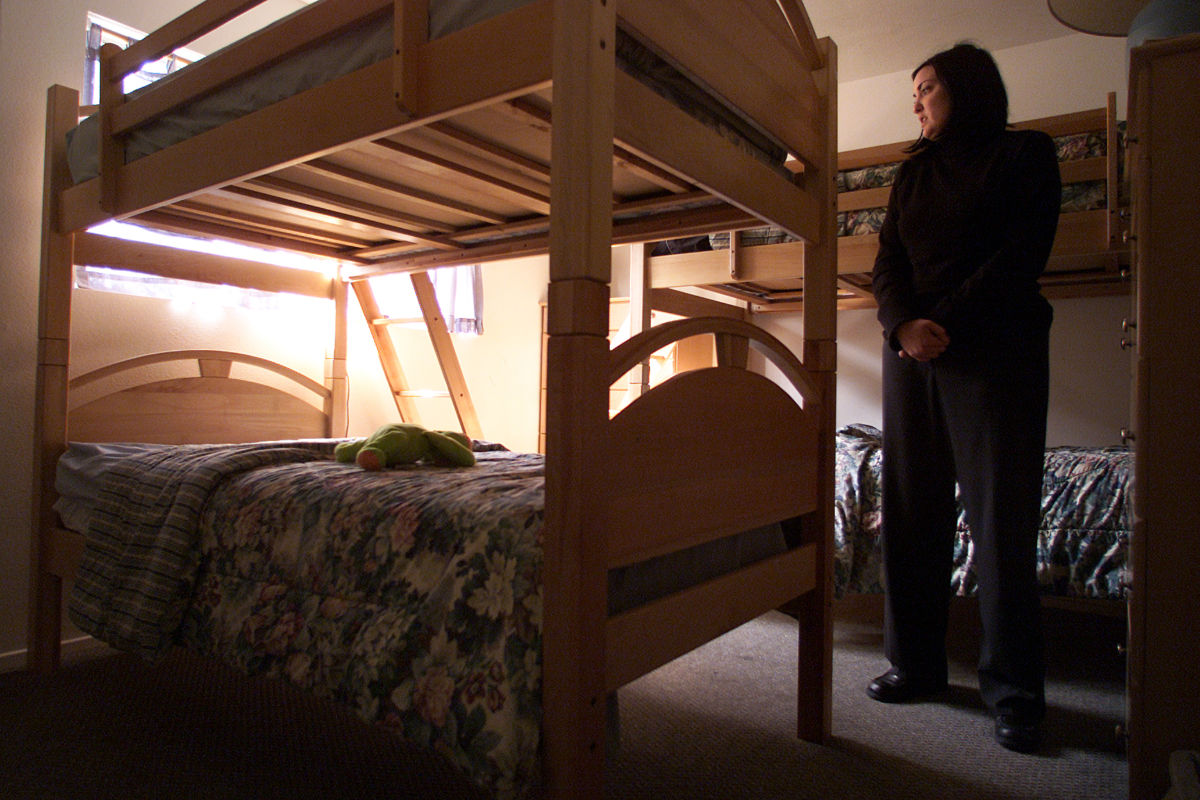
968 230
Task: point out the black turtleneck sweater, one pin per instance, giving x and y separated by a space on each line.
968 231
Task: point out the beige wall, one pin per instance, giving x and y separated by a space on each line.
1089 393
41 44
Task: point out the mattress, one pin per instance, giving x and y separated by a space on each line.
368 43
1083 539
412 595
1077 196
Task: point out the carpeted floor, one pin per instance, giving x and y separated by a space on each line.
717 723
734 738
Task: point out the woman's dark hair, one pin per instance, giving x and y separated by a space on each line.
978 100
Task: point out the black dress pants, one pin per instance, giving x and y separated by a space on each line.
978 417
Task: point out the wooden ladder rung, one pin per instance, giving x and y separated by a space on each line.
423 393
443 348
383 322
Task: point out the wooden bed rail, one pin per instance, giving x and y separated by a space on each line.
120 114
183 30
651 633
97 250
269 45
796 120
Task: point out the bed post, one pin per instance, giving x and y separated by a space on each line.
639 311
337 406
815 708
410 30
44 634
574 601
1112 150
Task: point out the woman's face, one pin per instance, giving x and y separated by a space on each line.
931 102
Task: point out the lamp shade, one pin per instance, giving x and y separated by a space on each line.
1098 17
1162 19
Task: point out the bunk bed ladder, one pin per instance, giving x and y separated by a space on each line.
443 348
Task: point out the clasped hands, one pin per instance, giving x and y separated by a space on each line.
922 339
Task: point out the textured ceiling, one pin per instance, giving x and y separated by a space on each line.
877 37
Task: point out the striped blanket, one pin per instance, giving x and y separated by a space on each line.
138 567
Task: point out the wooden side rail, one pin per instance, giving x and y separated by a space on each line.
98 250
256 52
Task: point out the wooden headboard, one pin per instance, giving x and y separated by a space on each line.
208 407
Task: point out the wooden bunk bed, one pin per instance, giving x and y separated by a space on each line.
455 150
1090 255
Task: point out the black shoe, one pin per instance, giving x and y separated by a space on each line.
897 686
1017 734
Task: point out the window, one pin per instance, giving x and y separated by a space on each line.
102 31
459 294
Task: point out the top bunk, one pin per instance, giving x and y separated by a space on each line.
401 135
1090 256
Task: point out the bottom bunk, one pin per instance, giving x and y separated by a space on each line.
1083 542
414 594
411 595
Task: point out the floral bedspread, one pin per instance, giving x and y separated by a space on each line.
1083 541
412 595
1077 196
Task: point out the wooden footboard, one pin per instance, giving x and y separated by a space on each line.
708 436
706 454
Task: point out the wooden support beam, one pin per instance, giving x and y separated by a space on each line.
447 358
815 674
337 405
410 32
639 312
44 629
575 572
170 262
389 359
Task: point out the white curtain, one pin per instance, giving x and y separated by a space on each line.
459 293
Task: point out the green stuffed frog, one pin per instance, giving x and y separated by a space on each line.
407 443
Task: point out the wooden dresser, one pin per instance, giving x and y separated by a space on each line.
1164 609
